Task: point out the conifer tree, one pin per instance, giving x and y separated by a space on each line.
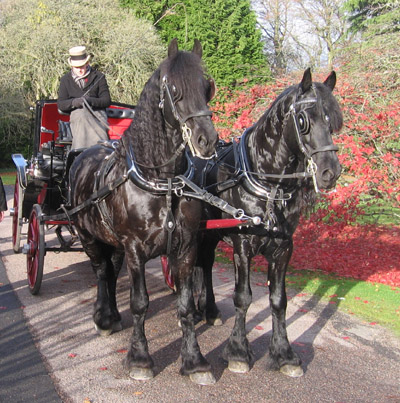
232 47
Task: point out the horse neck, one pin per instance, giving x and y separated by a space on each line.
267 148
152 141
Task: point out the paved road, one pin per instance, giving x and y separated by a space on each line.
345 359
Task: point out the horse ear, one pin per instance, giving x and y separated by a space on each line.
173 48
197 48
306 82
330 81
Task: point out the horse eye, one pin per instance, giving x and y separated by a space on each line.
301 122
174 89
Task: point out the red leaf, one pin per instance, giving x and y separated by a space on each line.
122 350
71 355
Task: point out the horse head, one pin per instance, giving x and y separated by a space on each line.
184 94
314 115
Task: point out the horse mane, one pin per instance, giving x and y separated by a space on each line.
324 94
147 129
178 67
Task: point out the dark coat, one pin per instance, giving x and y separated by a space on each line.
3 200
95 90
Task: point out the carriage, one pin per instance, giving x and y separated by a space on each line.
40 192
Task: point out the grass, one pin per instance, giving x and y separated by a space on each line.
372 302
8 176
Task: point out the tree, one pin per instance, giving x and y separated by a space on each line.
275 22
325 19
35 36
380 16
232 47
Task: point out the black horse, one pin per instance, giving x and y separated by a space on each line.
273 172
137 211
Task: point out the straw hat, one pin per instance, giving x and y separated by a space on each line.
78 56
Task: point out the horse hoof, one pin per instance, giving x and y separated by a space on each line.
141 374
116 327
202 378
239 367
214 322
103 332
294 371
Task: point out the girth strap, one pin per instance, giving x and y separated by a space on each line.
170 221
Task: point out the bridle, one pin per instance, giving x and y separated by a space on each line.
302 127
166 96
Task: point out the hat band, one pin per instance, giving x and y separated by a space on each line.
80 57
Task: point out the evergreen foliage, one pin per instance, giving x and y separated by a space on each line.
232 47
379 16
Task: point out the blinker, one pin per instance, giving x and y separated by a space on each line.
303 123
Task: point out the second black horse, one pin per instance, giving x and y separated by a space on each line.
273 172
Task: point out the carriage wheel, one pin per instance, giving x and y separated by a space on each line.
17 215
35 250
167 273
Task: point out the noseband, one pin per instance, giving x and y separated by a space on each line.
166 95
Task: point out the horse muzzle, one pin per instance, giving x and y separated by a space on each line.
328 170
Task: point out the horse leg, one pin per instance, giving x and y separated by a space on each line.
206 303
238 352
105 316
138 361
194 364
281 355
113 268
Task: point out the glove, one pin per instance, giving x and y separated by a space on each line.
77 102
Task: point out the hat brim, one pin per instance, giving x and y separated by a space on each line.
78 63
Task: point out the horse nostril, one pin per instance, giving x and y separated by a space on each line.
327 175
202 141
